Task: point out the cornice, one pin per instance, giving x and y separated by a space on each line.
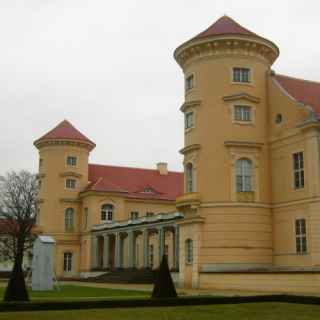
190 104
70 174
241 96
241 144
59 142
193 220
70 200
238 45
193 147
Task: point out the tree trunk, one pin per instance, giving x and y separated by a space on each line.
16 289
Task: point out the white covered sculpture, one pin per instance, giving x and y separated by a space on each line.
42 263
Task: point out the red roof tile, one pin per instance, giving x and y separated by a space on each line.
304 91
132 182
224 25
65 130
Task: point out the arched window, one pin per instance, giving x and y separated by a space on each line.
69 219
189 177
107 212
189 251
244 175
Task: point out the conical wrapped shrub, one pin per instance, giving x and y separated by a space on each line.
163 284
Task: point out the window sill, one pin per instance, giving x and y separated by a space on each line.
243 123
248 84
245 196
188 130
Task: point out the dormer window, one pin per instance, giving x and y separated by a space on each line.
71 161
147 190
242 75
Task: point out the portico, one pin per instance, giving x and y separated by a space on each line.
139 243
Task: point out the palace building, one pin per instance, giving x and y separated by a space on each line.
245 214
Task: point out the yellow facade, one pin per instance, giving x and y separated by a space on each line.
243 196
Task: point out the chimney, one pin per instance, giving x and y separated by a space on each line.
162 167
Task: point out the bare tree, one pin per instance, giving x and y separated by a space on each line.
18 200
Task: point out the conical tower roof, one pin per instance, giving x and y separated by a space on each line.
64 131
225 25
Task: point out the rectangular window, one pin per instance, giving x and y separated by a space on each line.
71 161
134 215
150 214
189 82
188 120
298 170
85 218
301 236
241 75
40 163
70 183
242 113
67 261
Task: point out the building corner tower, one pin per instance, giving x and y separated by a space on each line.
63 174
227 225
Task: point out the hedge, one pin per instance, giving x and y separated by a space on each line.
140 303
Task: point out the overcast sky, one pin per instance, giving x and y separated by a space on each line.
108 67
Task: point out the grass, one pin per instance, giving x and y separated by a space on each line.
261 311
74 292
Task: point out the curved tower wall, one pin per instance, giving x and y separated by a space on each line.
231 230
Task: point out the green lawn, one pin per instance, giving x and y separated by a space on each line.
261 311
74 292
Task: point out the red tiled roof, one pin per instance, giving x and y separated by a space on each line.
224 25
304 91
65 130
132 182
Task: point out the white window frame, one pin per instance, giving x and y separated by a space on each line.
242 77
189 177
244 175
189 82
69 219
71 184
107 212
242 113
301 236
189 120
67 261
72 161
298 170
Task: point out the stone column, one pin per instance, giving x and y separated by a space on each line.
106 251
118 251
161 239
94 252
131 249
146 248
176 247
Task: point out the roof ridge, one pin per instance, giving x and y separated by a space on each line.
298 79
133 168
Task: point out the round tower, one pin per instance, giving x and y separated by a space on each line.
63 174
227 179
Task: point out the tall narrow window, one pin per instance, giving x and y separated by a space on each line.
244 175
69 219
107 212
298 169
241 75
189 82
67 262
242 113
188 120
85 218
189 177
301 236
189 251
71 161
